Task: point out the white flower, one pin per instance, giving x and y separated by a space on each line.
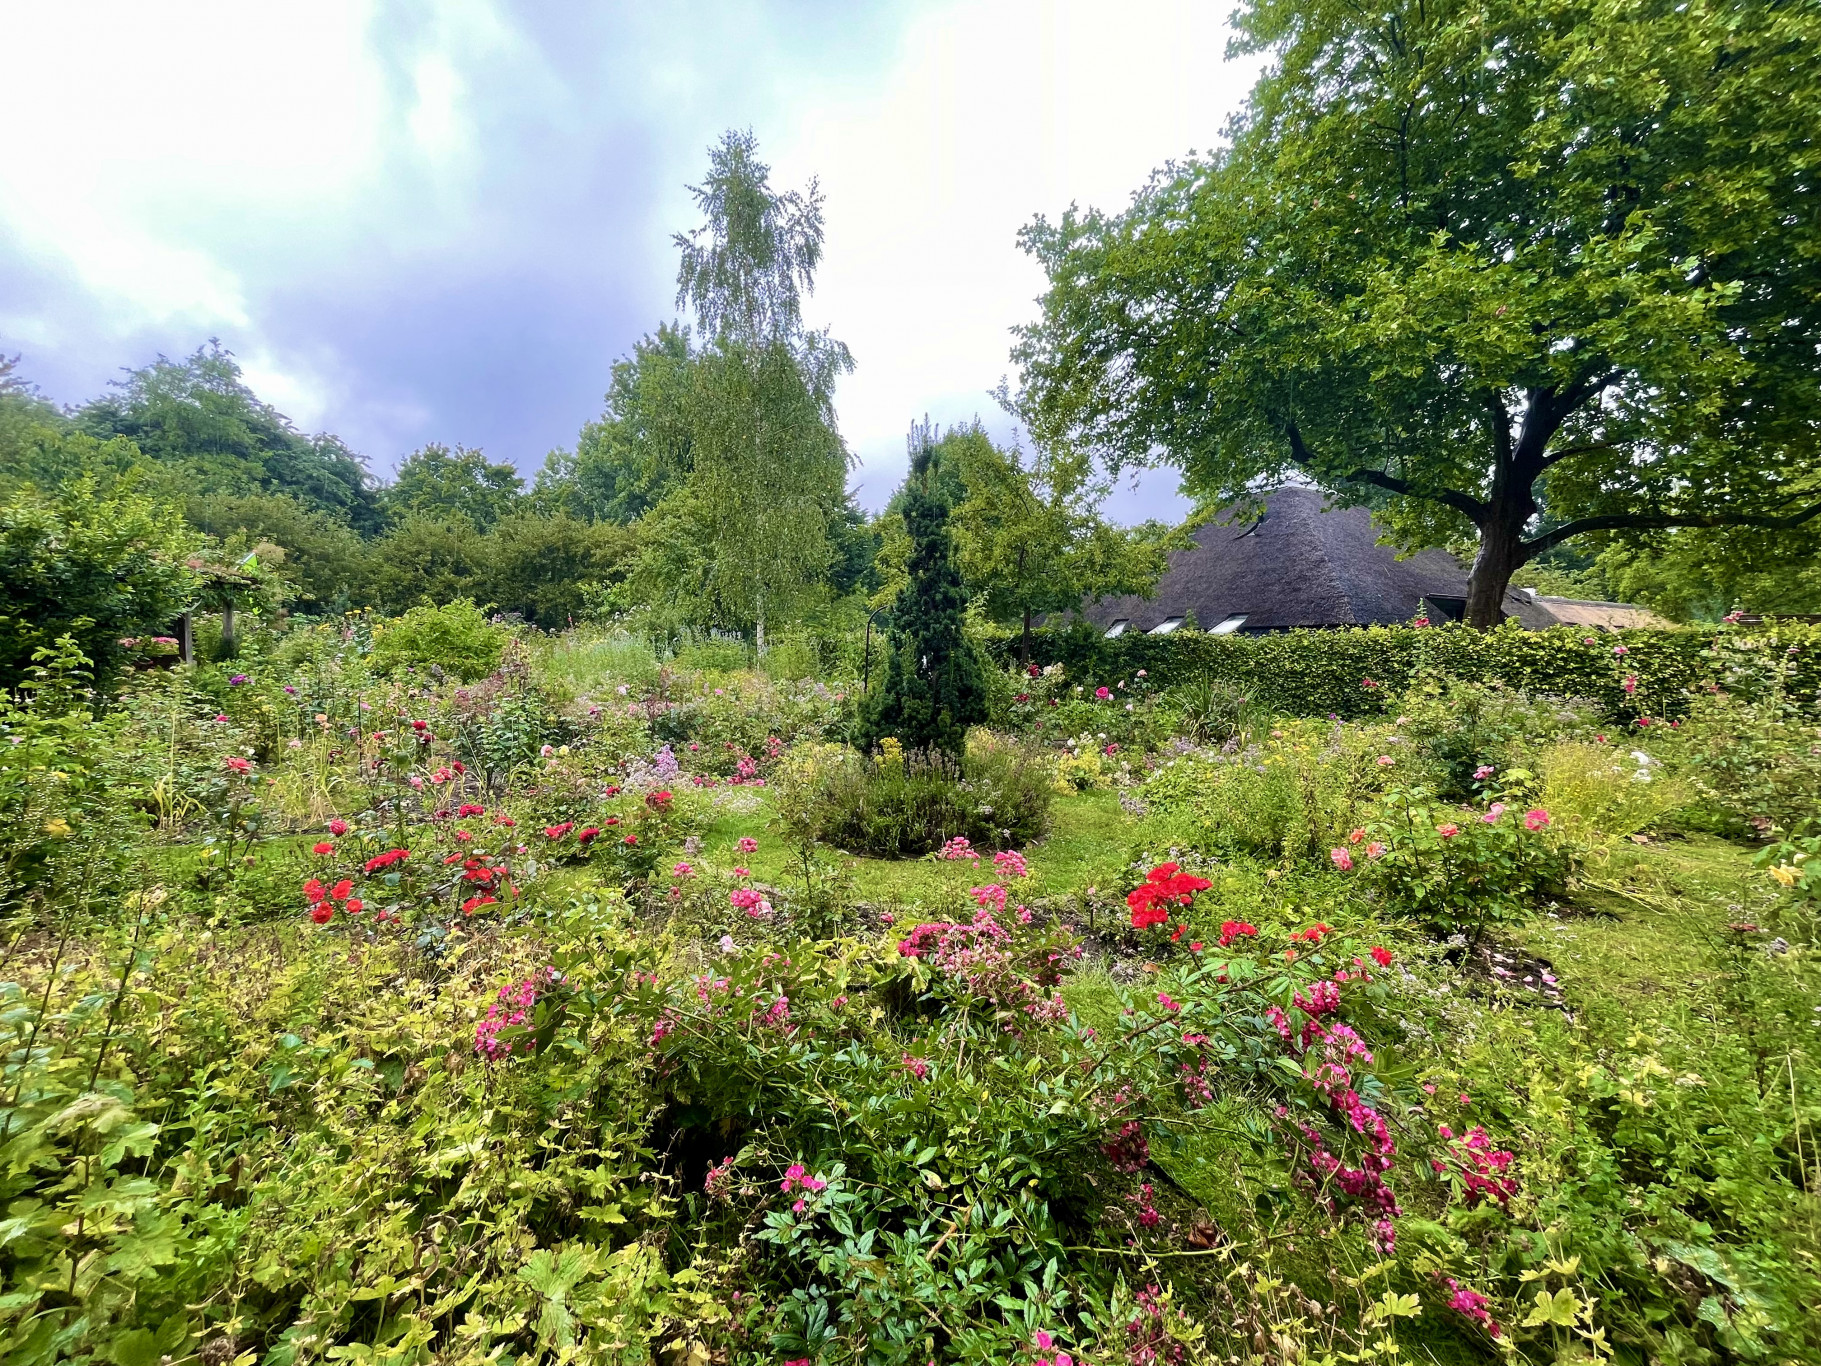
727 944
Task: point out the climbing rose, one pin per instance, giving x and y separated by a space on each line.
338 827
1342 859
748 845
323 848
1536 819
1382 956
1448 831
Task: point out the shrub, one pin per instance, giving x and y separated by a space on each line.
1458 867
1455 728
1315 673
899 805
1292 795
456 638
933 687
1211 711
106 571
1755 764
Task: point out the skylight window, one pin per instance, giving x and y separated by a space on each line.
1230 625
1167 625
1117 629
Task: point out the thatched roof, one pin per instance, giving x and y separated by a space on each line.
1302 564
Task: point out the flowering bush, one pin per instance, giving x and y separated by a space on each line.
1460 867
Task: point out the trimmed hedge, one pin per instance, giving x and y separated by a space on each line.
1352 672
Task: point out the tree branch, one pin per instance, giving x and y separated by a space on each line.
1650 521
1471 508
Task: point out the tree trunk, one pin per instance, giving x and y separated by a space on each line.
1500 556
1024 645
759 631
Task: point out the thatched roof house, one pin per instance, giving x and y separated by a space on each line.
1301 564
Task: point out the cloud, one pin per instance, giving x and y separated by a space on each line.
443 221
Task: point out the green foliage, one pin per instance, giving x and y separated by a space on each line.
1290 794
1601 792
211 434
1702 574
457 638
1452 730
446 485
1353 673
322 561
602 1070
98 568
1755 764
1461 867
1029 536
641 446
543 568
426 562
747 534
901 804
932 688
1355 290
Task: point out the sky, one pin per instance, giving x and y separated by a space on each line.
443 221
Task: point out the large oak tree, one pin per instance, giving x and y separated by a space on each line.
1520 269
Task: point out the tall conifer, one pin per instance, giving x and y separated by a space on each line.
932 690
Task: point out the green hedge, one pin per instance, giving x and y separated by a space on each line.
1313 673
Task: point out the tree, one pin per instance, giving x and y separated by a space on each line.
767 466
441 483
212 433
1031 537
325 564
425 561
1465 260
542 567
99 568
639 448
1704 573
932 690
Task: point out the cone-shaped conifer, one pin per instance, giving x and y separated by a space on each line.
932 690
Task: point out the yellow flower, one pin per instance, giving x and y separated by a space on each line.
1785 874
57 827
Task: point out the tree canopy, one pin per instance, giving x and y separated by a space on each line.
1467 262
198 418
1031 537
438 482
